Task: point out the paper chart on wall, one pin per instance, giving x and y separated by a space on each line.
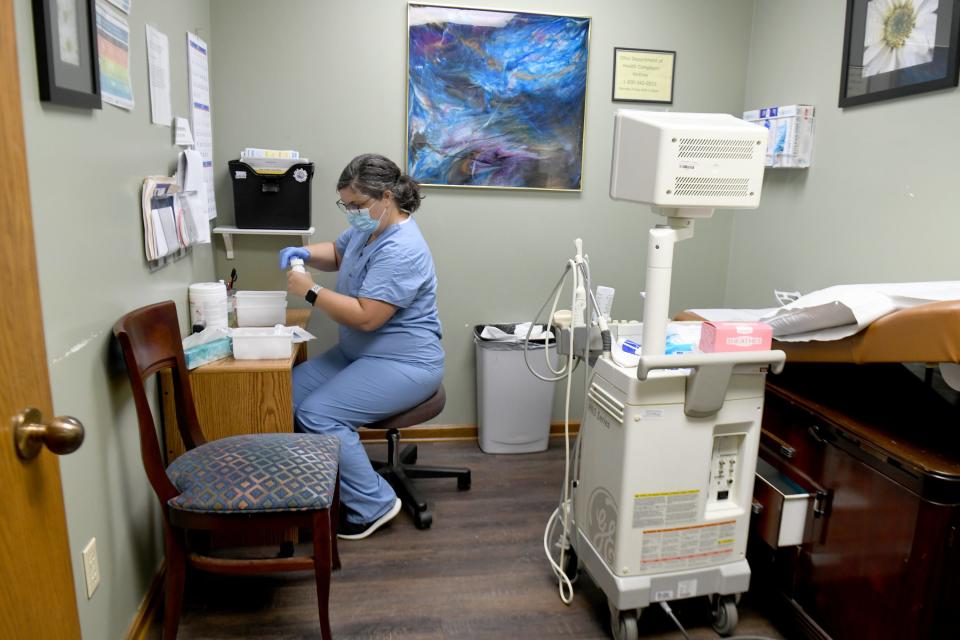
197 54
113 43
193 196
182 135
158 65
123 5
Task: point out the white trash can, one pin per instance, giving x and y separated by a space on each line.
513 406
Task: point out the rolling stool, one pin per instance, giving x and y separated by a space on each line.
400 466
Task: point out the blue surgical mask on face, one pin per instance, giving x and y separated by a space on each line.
361 220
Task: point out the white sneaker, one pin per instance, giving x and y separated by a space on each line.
360 530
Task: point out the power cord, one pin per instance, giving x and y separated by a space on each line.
563 511
558 374
666 607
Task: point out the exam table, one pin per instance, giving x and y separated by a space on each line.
862 435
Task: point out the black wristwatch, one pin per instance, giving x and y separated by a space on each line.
311 296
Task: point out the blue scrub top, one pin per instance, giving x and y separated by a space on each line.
396 268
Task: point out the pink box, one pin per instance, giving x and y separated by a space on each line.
735 336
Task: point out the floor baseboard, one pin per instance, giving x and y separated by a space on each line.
150 608
448 432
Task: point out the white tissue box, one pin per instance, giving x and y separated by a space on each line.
262 343
790 141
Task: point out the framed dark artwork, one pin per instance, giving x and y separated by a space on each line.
643 75
67 63
495 98
894 48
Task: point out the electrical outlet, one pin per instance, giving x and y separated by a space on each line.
91 567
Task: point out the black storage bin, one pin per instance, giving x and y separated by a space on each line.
271 201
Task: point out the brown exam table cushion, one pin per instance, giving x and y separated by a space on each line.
925 333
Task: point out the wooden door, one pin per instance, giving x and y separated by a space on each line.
37 597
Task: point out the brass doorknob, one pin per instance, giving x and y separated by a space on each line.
61 435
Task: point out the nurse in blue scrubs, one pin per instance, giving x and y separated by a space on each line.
389 357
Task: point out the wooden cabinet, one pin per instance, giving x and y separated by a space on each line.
235 397
883 450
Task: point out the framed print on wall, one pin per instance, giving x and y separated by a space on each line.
67 62
495 98
894 48
643 75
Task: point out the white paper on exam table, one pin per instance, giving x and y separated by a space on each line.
839 311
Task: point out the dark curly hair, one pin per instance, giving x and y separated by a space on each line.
372 175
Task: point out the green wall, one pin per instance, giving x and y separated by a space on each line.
328 79
86 168
878 204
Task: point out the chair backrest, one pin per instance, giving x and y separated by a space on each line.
150 340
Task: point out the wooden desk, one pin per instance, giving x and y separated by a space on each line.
235 397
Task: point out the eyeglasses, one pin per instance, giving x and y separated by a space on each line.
349 208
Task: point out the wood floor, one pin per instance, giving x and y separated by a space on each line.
479 572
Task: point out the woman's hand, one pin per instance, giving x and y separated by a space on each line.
288 253
299 283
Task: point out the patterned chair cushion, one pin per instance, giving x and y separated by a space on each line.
257 473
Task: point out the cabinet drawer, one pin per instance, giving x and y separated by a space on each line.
783 508
793 435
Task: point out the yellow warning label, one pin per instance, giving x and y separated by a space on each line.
667 493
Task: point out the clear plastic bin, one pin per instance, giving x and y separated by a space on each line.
261 343
261 308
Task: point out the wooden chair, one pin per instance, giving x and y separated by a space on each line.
262 482
400 466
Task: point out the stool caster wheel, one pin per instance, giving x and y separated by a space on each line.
423 519
463 482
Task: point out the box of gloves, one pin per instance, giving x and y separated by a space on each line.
790 141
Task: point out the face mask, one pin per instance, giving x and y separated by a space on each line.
361 220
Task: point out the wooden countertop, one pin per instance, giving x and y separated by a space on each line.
295 317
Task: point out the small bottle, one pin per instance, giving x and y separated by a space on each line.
296 264
604 299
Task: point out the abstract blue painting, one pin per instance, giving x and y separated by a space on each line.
495 98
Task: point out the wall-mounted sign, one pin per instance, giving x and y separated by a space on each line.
642 75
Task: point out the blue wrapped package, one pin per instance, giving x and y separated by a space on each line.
202 354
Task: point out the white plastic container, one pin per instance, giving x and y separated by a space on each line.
208 304
262 343
261 315
261 308
261 296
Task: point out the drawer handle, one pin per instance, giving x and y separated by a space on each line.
757 508
787 451
814 432
820 505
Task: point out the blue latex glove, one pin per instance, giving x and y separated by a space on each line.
292 252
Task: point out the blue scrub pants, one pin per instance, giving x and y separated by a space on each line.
334 395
